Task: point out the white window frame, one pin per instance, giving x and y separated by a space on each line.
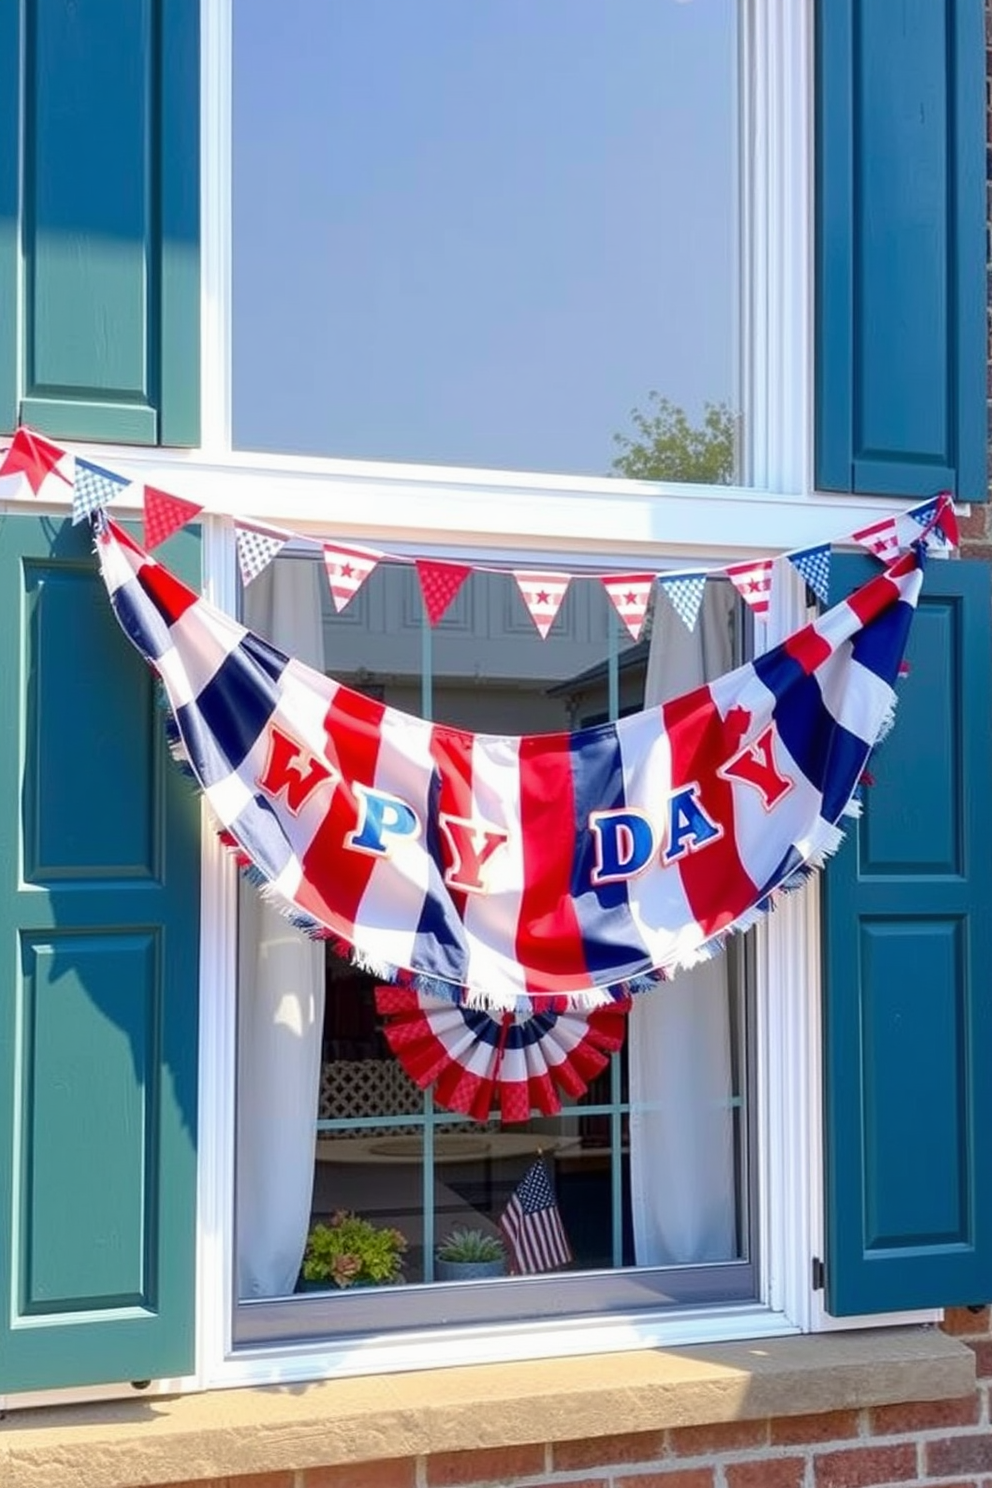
608 521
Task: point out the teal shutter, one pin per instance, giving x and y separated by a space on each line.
99 219
907 924
900 247
99 900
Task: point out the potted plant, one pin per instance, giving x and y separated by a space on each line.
351 1251
467 1253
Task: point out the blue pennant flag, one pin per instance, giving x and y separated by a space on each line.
94 487
686 594
814 565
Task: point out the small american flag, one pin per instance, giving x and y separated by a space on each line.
532 1224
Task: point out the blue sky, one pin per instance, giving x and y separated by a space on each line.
478 231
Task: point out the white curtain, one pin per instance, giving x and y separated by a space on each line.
679 1041
280 1009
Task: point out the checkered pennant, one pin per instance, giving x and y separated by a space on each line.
256 550
686 594
93 488
814 565
937 519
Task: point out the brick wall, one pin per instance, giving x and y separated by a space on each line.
941 1444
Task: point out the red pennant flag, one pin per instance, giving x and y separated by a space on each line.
630 594
439 583
165 514
947 519
37 460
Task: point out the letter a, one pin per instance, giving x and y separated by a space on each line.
689 828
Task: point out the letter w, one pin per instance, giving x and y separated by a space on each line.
292 769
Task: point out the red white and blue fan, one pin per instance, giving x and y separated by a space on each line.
475 1059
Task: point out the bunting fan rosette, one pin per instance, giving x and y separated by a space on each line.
520 1061
531 873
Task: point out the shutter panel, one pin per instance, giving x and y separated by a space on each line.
900 259
99 901
907 989
99 189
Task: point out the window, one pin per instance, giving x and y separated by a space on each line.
652 1168
519 223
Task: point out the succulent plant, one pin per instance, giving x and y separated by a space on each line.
464 1244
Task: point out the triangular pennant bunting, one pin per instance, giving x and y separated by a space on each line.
753 582
165 514
939 523
685 591
542 594
439 583
347 570
93 488
43 465
257 546
814 565
882 539
631 595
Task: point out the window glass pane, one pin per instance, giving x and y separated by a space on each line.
649 1167
483 233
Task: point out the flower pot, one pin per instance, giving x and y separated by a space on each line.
468 1270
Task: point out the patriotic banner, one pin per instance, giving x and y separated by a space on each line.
516 1060
527 873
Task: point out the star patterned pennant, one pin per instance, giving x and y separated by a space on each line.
882 539
631 594
938 520
542 593
47 469
165 514
685 591
257 546
439 583
347 570
814 565
753 582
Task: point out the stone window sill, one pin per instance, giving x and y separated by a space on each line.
226 1433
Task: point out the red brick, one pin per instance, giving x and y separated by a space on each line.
770 1472
636 1446
861 1467
484 1465
725 1436
923 1415
975 523
686 1477
960 1320
398 1473
828 1426
983 1355
960 1454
